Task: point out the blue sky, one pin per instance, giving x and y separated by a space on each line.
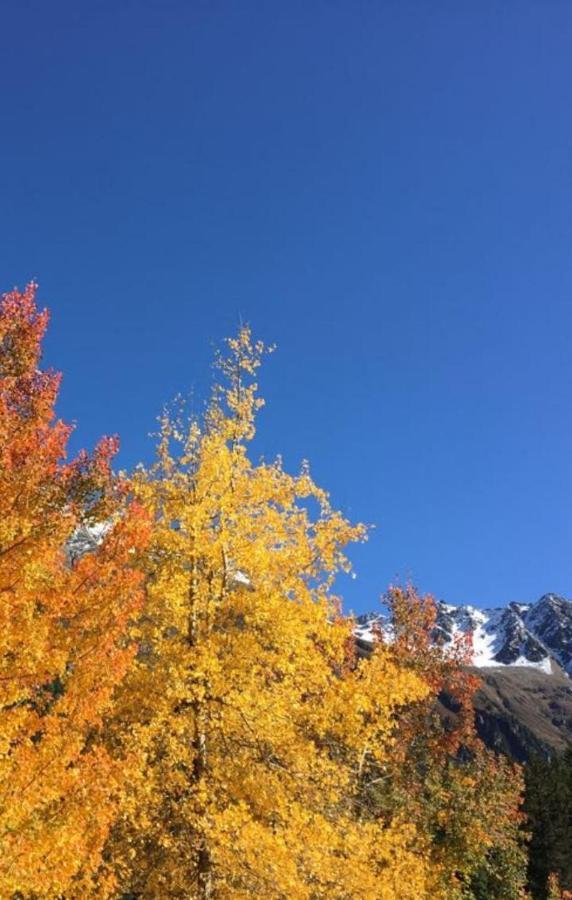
382 189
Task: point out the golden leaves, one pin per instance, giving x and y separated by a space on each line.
216 737
253 713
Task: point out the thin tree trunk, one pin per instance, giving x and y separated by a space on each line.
204 862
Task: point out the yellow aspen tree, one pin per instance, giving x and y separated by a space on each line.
63 627
248 711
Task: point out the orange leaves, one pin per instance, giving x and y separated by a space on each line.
464 799
63 625
22 327
182 711
446 672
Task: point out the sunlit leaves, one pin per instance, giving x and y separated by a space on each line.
249 711
182 711
63 627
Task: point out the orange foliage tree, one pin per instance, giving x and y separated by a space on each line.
243 750
63 619
463 799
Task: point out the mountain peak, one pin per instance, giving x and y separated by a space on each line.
537 635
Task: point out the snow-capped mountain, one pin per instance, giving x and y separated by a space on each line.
537 635
85 539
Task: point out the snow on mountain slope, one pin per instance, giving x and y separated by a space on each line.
538 635
85 539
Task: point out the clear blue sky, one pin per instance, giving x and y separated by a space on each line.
383 189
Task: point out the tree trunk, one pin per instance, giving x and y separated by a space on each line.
204 862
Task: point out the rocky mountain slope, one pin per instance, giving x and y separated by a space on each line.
524 656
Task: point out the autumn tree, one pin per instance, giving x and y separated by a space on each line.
211 733
251 717
554 890
63 620
464 800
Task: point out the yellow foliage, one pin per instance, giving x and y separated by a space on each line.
247 711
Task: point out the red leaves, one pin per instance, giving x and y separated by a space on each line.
22 327
445 670
64 642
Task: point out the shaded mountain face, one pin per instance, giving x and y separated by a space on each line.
523 654
524 712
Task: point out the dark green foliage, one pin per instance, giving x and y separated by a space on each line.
548 806
499 877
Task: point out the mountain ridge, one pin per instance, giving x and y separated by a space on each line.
523 656
536 635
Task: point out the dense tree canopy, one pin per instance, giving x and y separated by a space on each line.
548 806
63 626
253 717
463 799
183 711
